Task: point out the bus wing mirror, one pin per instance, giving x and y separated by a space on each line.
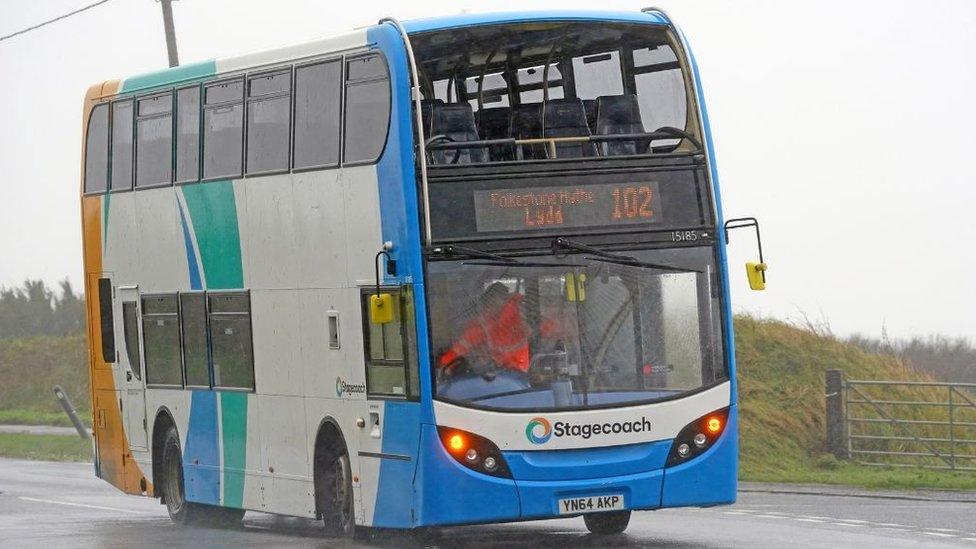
381 308
575 287
756 272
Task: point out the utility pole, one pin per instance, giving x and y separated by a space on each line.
174 59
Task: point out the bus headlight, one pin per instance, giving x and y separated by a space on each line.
697 436
474 452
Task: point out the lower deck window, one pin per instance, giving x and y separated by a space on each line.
161 340
230 339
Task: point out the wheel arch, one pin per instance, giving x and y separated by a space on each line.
326 436
161 424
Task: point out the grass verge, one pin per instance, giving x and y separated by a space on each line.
45 447
21 416
871 477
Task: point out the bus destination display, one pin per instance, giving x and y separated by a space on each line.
569 206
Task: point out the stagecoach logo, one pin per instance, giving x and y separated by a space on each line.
348 388
540 430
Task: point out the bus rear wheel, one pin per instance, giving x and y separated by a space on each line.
614 522
180 510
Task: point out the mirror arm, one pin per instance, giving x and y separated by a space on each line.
742 222
390 267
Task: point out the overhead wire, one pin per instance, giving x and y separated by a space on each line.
56 19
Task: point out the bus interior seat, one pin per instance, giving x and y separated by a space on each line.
496 123
426 113
620 114
456 121
528 125
567 118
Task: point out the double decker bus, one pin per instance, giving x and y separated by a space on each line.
452 271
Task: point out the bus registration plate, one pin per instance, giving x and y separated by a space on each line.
591 504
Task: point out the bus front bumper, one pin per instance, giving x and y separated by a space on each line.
447 493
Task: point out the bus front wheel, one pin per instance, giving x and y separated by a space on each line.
180 510
334 492
614 522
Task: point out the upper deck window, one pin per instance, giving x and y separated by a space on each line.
121 154
154 141
318 94
96 150
578 84
367 108
223 129
268 117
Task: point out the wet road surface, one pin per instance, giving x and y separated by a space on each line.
48 505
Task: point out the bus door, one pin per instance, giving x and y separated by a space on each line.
389 438
133 391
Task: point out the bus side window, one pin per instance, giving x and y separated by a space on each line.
188 134
161 340
107 321
367 108
154 141
318 94
130 331
230 339
96 150
193 330
223 129
268 117
121 154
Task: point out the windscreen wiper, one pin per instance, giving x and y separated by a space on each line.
490 263
561 243
452 250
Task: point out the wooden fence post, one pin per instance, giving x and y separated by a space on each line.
836 425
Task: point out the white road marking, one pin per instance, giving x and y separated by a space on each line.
770 516
85 505
853 521
894 525
809 520
939 534
845 524
945 530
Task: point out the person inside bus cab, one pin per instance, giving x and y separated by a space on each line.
498 332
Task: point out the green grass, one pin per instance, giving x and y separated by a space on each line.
872 477
781 409
45 447
21 416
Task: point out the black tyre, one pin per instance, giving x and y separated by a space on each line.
182 511
614 522
333 492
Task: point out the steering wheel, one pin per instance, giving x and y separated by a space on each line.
439 138
480 365
679 133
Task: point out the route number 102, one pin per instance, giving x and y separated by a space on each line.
632 202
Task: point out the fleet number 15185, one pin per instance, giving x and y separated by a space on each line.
684 236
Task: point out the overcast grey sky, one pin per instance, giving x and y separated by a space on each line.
846 127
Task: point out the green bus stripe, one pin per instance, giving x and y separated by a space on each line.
169 77
213 212
233 425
